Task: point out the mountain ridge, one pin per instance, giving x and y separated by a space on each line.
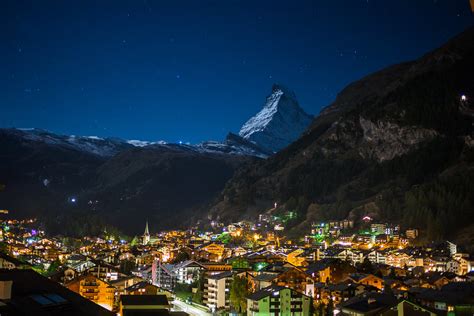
124 181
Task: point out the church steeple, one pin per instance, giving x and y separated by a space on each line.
146 235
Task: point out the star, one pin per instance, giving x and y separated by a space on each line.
178 76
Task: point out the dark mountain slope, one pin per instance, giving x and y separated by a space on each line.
385 138
165 186
75 190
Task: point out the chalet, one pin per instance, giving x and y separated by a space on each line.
94 289
104 271
142 288
367 279
329 270
262 280
399 259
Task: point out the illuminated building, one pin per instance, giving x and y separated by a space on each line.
378 228
367 279
215 249
217 291
142 288
411 233
94 289
296 259
278 300
146 235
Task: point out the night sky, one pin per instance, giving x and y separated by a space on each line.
194 70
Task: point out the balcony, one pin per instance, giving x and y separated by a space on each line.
90 290
89 284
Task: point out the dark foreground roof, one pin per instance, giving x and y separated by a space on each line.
160 299
138 286
153 312
455 293
33 294
269 290
146 312
369 303
13 260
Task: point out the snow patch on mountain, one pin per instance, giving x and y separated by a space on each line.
144 143
108 147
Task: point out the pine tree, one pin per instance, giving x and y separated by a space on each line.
238 294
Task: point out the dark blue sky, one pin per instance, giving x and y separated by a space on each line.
194 70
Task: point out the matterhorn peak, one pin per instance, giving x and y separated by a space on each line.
280 122
278 88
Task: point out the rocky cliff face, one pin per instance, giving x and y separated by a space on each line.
385 140
387 135
373 140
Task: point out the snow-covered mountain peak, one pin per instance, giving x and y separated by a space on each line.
281 89
280 122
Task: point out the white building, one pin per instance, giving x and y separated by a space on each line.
187 271
376 257
216 291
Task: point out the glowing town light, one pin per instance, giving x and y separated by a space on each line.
73 200
463 98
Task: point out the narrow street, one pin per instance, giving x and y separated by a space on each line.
193 311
